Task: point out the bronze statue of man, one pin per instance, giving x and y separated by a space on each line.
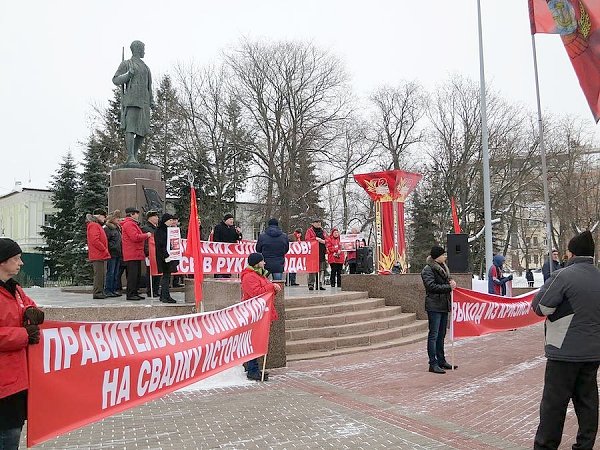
136 81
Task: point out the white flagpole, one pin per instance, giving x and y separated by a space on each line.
543 156
487 202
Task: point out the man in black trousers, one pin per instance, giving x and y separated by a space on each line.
570 300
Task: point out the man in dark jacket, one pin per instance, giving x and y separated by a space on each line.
438 288
165 264
226 231
273 244
555 265
571 301
150 227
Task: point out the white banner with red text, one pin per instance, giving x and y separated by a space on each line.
476 313
82 372
223 257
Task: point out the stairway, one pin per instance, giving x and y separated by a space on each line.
346 322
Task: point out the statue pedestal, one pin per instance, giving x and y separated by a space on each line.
142 188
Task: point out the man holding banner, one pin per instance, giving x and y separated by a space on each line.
438 289
570 300
19 328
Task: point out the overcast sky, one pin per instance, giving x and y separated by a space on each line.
58 57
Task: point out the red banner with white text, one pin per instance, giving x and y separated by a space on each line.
82 372
222 257
476 313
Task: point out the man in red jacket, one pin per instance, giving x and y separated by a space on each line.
98 252
255 283
133 251
19 327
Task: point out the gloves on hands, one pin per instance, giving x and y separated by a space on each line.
510 277
33 331
34 316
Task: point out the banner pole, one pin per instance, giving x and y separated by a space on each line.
452 328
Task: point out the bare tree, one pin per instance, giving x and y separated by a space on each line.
456 156
295 95
398 112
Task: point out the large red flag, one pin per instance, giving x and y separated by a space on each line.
193 247
455 221
578 23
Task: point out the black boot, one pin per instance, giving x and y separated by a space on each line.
436 369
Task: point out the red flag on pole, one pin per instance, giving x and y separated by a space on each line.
455 217
193 247
578 23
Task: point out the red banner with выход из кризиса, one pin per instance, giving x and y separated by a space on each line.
82 372
476 313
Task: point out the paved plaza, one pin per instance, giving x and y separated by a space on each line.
378 399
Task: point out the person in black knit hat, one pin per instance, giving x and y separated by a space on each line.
19 327
570 300
438 288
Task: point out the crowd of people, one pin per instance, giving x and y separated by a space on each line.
118 245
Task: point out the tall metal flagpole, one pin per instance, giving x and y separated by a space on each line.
487 202
543 157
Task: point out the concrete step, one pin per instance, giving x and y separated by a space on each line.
404 340
309 300
341 319
357 327
334 308
355 340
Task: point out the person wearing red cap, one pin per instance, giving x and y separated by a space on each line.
19 327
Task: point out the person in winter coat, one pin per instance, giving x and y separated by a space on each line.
296 236
226 231
112 229
529 277
133 251
150 226
335 258
98 252
351 256
570 300
163 260
19 327
497 281
316 233
556 265
254 283
438 288
273 244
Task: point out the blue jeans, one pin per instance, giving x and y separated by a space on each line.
112 275
438 321
9 439
277 276
252 366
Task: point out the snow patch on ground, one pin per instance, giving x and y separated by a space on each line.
233 377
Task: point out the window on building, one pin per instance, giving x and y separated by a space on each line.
528 241
536 259
47 219
535 240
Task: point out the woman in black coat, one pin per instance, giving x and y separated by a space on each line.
163 261
438 289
